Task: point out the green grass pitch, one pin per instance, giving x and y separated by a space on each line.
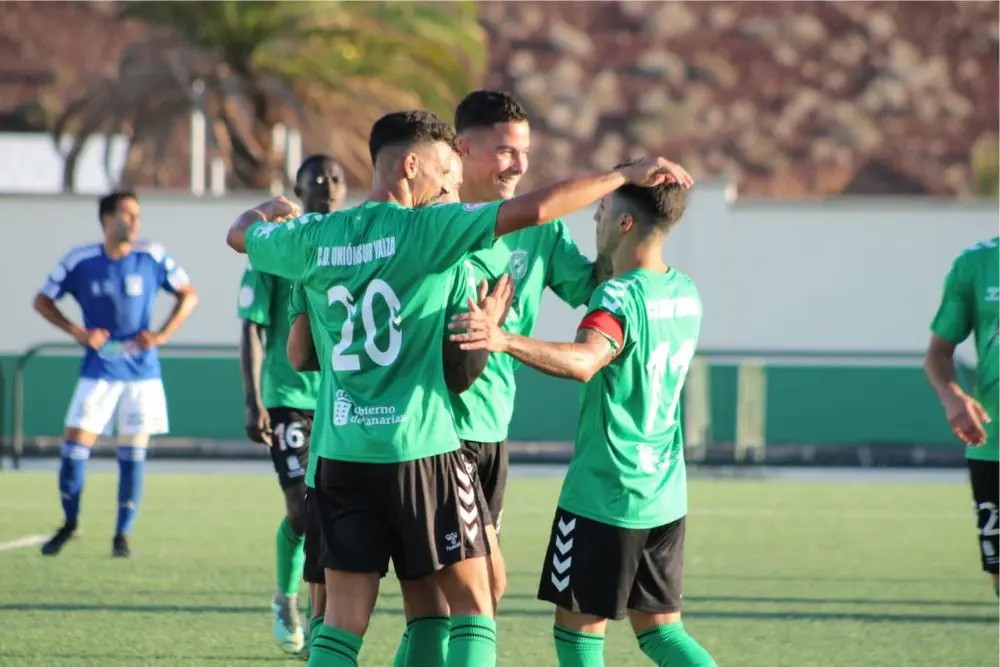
778 573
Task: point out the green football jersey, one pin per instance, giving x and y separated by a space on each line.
264 300
969 306
534 258
628 466
461 288
377 280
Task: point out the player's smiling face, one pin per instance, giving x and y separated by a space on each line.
323 188
123 225
495 159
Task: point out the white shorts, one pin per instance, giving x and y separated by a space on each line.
122 407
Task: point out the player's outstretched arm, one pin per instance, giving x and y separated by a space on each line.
579 360
273 210
965 414
546 204
301 348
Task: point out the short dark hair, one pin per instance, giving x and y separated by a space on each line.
109 203
406 128
312 161
659 207
486 108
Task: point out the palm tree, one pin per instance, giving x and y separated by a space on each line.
252 65
986 166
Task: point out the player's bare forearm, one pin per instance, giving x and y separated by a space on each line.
939 367
575 361
48 309
462 367
301 348
187 301
546 204
251 361
236 237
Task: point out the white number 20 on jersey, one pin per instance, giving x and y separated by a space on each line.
351 362
660 363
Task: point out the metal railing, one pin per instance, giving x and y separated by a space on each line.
17 408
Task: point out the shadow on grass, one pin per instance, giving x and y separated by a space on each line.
803 615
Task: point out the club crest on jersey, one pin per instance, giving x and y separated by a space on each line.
993 293
246 296
518 264
133 285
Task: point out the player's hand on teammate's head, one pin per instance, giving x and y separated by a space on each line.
966 417
496 304
92 338
651 172
279 209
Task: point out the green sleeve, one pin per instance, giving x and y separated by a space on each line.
610 297
296 302
445 233
570 273
255 297
287 250
954 319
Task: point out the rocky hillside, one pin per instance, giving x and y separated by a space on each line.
788 98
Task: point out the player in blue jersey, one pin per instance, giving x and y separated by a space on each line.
114 282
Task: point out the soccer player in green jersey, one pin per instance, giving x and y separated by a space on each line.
427 611
617 539
389 479
494 141
969 305
280 401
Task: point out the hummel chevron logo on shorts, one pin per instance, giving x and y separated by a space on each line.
467 509
562 557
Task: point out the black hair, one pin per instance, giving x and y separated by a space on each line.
659 207
485 108
407 128
109 203
312 161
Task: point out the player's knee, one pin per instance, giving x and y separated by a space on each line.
79 436
295 510
423 598
466 587
498 568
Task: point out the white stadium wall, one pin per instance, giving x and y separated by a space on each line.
833 275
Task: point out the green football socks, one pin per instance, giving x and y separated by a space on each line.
333 647
399 660
578 649
472 643
425 643
290 558
670 644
